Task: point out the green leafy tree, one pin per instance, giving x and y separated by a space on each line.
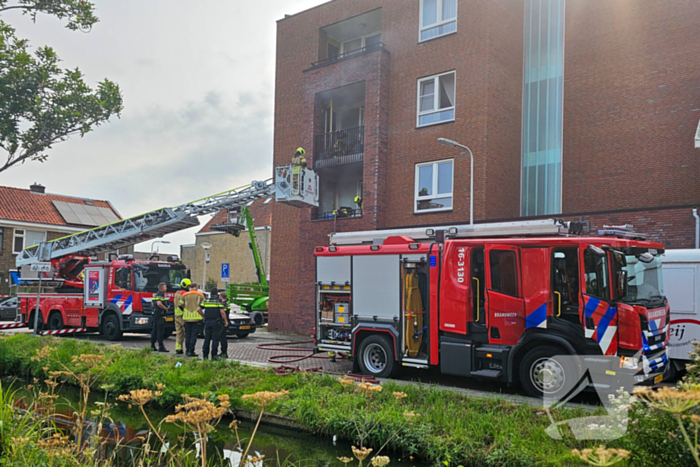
210 284
41 104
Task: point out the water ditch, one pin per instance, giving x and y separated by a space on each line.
122 435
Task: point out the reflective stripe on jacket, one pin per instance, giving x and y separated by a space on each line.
179 301
212 309
193 299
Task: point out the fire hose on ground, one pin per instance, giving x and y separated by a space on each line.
294 357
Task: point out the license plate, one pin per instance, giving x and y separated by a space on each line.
168 319
245 327
658 378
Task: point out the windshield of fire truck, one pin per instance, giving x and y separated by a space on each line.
644 279
147 277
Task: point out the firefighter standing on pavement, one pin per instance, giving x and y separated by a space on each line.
214 320
298 163
192 317
160 308
179 302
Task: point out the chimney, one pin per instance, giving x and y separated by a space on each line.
37 188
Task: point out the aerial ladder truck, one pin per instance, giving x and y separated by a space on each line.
113 297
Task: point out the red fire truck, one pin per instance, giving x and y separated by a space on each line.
111 297
495 301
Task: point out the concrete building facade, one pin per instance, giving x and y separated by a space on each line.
575 109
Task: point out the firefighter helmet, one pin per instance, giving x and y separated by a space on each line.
300 152
185 283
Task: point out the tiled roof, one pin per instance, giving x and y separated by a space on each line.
261 212
17 204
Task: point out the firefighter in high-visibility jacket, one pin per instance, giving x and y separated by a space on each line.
215 319
192 316
179 303
298 163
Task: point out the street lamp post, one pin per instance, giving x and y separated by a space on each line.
157 241
449 142
206 247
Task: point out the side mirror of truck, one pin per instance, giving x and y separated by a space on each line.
621 289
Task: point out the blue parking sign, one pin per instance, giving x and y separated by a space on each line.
225 272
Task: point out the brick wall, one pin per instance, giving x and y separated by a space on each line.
631 106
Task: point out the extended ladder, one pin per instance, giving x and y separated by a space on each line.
154 224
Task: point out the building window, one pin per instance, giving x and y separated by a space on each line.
436 99
18 241
26 238
437 18
2 238
434 186
543 93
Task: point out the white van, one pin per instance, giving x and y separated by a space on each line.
681 275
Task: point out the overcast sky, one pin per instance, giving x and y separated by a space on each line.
197 79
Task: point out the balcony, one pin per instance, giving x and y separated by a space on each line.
339 147
349 54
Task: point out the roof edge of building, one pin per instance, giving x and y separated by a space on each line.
304 11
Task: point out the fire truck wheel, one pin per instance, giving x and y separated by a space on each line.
376 356
30 324
111 329
55 321
543 374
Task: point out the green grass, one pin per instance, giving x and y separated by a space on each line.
466 430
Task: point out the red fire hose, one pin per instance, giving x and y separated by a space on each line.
292 358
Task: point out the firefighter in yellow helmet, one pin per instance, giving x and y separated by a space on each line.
179 303
298 163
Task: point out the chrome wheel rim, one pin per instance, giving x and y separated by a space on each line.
375 358
547 375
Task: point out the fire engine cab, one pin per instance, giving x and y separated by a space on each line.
111 297
495 302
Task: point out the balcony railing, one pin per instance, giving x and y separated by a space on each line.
346 55
339 147
343 212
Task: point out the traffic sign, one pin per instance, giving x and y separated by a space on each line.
225 272
40 267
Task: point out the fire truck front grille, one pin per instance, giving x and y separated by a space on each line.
147 308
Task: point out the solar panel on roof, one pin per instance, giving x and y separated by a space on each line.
66 212
109 215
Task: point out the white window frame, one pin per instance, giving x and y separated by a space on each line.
436 101
363 41
422 28
435 194
15 236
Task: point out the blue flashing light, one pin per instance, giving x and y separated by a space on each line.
433 261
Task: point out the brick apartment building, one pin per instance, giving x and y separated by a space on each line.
28 217
225 248
574 109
